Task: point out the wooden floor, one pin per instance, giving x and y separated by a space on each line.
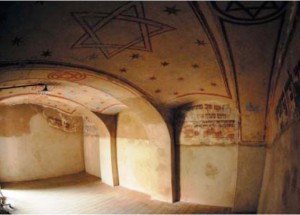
82 193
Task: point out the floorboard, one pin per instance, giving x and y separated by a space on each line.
83 193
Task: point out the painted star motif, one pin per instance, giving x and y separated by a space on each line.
213 84
135 56
123 70
91 38
152 78
202 89
175 93
17 41
171 10
180 79
93 56
195 66
164 63
157 91
46 53
252 10
200 42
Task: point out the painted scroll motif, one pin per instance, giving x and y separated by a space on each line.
209 124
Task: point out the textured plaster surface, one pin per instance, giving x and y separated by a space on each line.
41 151
141 164
251 161
91 155
208 174
281 185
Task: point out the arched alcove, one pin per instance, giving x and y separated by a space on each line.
89 90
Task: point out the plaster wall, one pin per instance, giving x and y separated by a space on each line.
108 155
31 149
281 185
251 160
91 155
208 174
207 153
137 157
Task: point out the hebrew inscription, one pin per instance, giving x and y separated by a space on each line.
209 124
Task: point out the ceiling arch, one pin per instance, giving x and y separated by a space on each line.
159 47
172 53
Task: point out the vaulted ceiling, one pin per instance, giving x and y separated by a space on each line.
174 53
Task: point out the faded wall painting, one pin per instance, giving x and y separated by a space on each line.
62 121
288 107
89 127
209 124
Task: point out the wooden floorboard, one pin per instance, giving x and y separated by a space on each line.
82 193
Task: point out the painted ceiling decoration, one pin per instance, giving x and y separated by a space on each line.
241 23
250 12
62 85
173 53
129 16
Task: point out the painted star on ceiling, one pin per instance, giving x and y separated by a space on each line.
147 29
200 42
172 10
254 10
135 56
17 41
46 53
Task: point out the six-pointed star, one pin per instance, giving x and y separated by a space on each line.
252 11
110 50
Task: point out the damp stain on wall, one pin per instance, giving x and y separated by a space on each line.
14 121
211 170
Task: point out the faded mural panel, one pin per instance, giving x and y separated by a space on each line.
209 124
89 128
288 107
62 121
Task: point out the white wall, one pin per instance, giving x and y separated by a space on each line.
31 149
137 158
91 148
91 155
208 174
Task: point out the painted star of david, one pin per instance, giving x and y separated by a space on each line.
252 11
91 40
